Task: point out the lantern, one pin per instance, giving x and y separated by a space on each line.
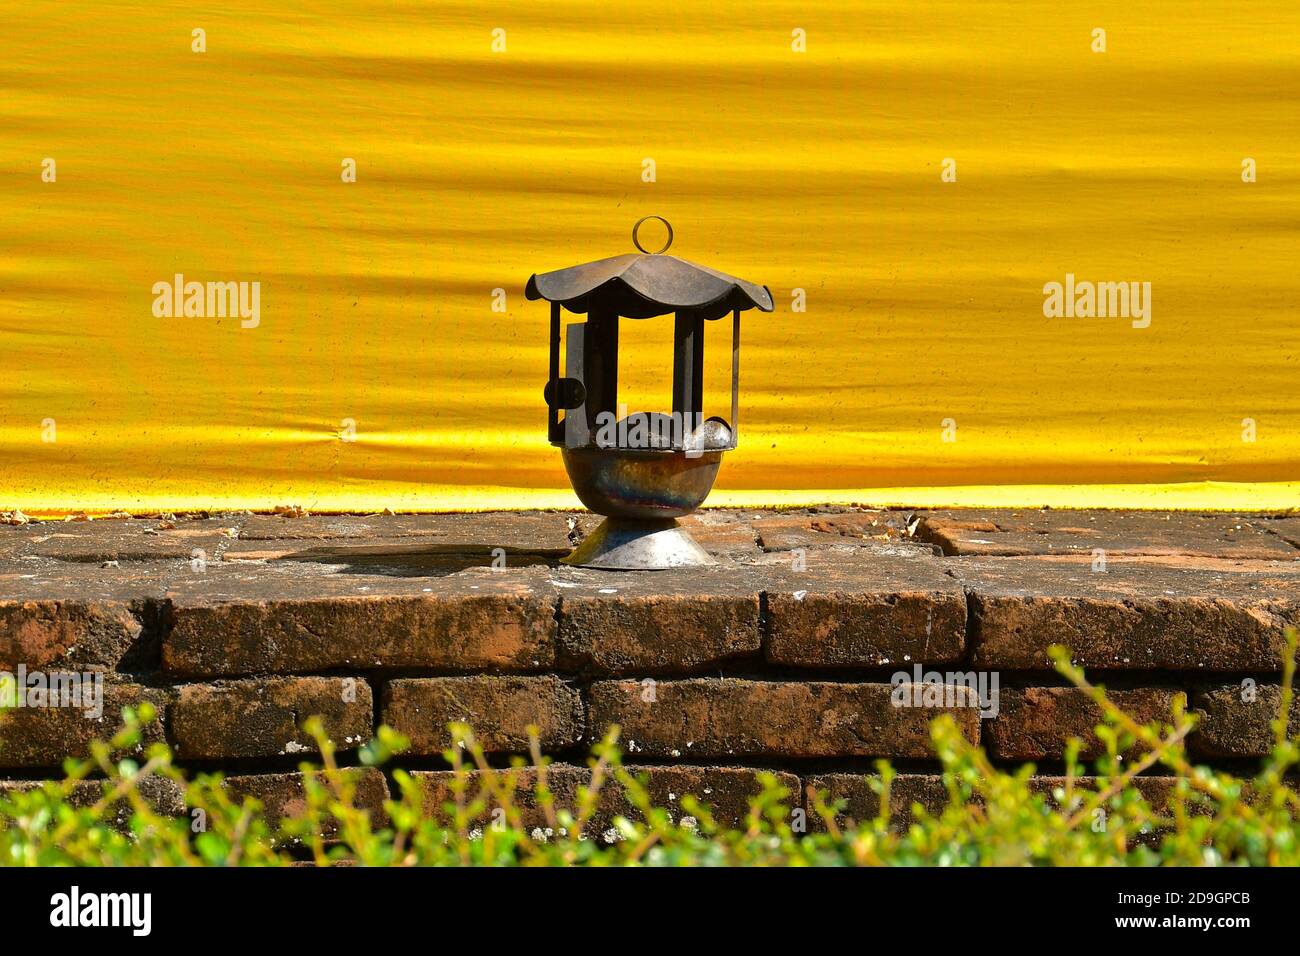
646 469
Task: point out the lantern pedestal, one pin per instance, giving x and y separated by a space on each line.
629 544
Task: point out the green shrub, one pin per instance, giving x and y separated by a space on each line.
992 816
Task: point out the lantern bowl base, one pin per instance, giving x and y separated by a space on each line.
645 484
628 544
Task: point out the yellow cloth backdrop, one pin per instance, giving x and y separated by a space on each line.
820 171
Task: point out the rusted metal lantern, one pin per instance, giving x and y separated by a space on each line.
646 469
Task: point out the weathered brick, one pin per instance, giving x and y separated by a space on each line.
785 532
279 527
1288 529
498 710
562 780
1156 790
656 621
14 540
710 718
1233 727
862 803
854 611
1031 531
1034 723
722 533
283 794
539 532
282 617
64 614
264 718
164 796
46 736
76 634
725 790
409 556
1131 616
928 790
131 539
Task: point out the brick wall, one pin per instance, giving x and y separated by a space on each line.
779 659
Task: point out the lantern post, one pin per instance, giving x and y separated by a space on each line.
644 470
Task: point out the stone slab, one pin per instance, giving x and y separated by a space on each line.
264 718
44 737
536 531
709 718
1034 723
657 622
499 711
1132 616
132 539
1236 719
1009 532
286 617
847 609
726 791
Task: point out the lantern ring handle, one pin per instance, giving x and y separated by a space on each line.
637 242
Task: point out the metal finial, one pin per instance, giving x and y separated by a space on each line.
637 242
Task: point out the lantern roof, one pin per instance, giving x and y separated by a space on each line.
645 284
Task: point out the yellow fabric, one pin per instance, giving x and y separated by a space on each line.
820 171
